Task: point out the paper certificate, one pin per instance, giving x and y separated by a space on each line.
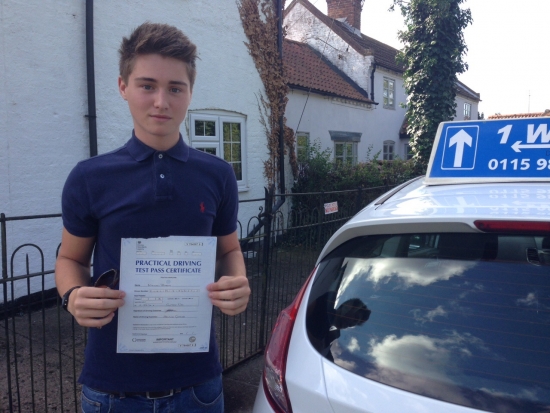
167 309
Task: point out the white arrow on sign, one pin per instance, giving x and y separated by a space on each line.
460 139
518 146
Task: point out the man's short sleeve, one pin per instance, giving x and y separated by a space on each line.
226 218
76 205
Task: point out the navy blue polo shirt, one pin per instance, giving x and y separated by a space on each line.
138 192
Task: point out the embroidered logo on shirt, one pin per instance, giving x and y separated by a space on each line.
202 207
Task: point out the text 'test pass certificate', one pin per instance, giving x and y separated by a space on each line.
167 309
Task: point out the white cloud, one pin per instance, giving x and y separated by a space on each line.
526 394
353 345
409 273
439 311
530 300
423 356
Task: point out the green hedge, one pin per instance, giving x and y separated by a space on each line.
318 173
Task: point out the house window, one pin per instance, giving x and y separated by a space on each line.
222 136
389 93
467 111
408 152
302 147
345 153
345 146
388 152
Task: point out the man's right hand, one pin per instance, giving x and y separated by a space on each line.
90 306
94 306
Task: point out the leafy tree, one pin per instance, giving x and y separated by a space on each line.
433 55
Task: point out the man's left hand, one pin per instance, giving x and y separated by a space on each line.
230 294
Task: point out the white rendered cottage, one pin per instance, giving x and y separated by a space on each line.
346 89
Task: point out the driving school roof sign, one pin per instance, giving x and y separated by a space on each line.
503 150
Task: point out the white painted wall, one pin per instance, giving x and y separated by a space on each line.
323 114
387 122
43 130
302 26
43 97
460 101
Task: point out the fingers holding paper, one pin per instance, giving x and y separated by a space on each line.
230 294
95 307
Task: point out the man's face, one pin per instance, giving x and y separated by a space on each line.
158 94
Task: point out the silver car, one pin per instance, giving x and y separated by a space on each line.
434 298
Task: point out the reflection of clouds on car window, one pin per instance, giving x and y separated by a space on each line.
406 272
419 354
531 394
449 317
430 315
530 300
470 289
410 360
353 345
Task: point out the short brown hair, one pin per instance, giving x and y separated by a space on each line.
155 38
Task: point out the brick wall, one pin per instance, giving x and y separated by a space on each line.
349 9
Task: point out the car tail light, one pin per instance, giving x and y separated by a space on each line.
531 227
276 354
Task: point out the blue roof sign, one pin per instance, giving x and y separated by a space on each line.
504 150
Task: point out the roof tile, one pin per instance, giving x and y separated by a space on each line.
521 115
307 69
384 55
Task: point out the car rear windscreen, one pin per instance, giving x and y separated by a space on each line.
459 317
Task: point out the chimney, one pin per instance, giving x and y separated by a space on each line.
348 9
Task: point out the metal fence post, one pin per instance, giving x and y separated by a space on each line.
4 249
358 199
321 218
5 304
266 246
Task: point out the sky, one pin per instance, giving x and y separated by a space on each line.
508 50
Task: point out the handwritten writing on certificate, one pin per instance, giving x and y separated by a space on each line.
167 308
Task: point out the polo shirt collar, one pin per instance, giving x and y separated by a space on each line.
140 151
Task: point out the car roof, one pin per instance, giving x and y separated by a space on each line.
478 170
421 208
486 200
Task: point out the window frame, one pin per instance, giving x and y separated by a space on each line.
208 145
217 142
344 158
386 154
467 111
300 148
407 152
206 118
386 89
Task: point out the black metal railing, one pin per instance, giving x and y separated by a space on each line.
41 347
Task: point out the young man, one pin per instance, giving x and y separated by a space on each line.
154 186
